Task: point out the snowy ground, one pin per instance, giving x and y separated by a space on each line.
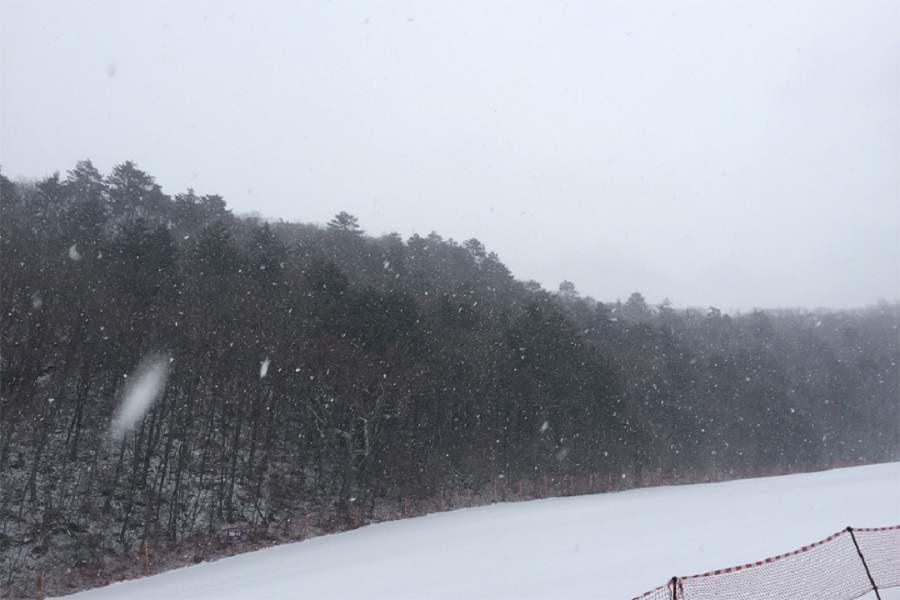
605 546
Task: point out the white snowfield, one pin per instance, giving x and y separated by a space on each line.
603 546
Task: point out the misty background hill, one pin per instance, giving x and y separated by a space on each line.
322 370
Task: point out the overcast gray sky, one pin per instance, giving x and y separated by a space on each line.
728 154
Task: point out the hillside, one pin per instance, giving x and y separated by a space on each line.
319 370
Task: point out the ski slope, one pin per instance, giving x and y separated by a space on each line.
604 546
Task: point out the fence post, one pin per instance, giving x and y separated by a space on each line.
41 584
863 559
146 560
674 583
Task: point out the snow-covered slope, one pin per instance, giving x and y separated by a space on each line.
604 546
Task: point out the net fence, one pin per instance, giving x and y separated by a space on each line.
881 549
843 566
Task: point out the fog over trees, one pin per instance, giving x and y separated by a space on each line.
322 370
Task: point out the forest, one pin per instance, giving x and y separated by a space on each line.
318 370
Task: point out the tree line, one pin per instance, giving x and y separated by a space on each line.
322 368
